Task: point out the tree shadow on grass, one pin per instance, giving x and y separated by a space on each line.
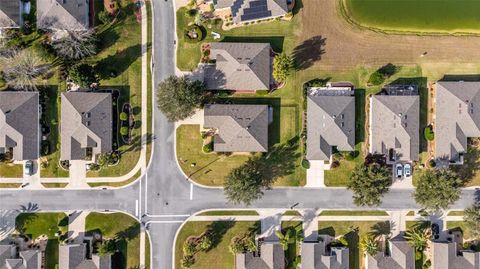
23 220
217 230
118 62
129 233
471 164
380 228
310 51
327 231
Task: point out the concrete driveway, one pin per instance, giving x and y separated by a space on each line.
316 175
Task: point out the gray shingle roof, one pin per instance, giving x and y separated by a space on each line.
19 124
239 66
402 256
445 257
395 125
10 16
248 10
32 259
240 128
6 252
457 117
330 122
314 256
271 256
63 14
29 259
73 256
86 122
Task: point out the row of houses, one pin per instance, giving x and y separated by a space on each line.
71 15
70 256
85 126
322 254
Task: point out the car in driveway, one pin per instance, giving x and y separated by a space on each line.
407 170
28 168
399 170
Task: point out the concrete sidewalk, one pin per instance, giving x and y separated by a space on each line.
316 175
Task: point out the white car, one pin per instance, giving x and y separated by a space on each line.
28 168
399 170
407 170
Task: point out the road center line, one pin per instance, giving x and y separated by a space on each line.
136 207
191 191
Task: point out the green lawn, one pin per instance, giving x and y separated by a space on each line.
147 251
353 231
455 213
416 223
460 225
417 16
230 213
353 213
11 170
292 213
293 249
35 224
117 184
123 228
411 213
219 256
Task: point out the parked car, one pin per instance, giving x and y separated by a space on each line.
399 170
407 170
28 168
435 230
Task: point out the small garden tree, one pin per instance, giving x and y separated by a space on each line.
178 98
104 17
244 184
471 218
123 116
290 236
282 65
369 183
21 68
369 245
83 75
76 45
124 131
437 189
418 237
107 247
205 243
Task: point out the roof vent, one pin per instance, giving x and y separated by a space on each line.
334 116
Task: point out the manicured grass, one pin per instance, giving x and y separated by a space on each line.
293 249
292 213
117 184
54 185
123 228
219 256
36 224
419 16
150 100
230 213
11 170
147 251
353 213
280 34
10 185
417 223
455 213
460 225
411 213
353 231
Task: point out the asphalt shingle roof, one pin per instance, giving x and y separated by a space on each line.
241 128
395 125
402 256
19 124
314 256
271 257
445 257
70 15
73 256
10 16
330 122
457 117
86 122
239 66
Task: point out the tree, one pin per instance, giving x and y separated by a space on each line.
369 183
21 69
471 218
289 237
437 189
205 242
76 45
187 261
83 75
178 98
418 237
369 245
106 248
124 131
244 184
282 65
236 245
123 116
104 17
189 248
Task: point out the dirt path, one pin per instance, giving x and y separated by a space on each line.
329 41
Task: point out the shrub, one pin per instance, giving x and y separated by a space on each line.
45 148
207 148
83 75
187 261
376 78
335 164
428 132
306 164
350 155
194 33
104 17
124 131
123 116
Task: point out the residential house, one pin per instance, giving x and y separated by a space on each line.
76 256
269 256
457 117
446 255
394 123
10 14
330 121
72 15
20 124
28 259
401 256
86 124
239 66
252 10
238 128
318 255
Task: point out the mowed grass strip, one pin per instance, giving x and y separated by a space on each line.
353 213
11 170
219 256
229 213
419 16
123 228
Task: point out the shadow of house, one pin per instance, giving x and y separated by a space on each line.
469 77
276 42
309 52
298 7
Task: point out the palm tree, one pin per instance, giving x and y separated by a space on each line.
76 45
369 245
290 237
418 238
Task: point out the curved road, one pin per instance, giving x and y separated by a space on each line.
164 197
